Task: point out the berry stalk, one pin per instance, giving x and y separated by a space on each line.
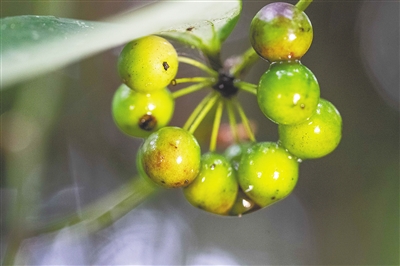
217 122
245 120
303 4
246 86
199 65
190 89
232 121
204 111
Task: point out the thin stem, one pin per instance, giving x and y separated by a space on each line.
192 79
197 110
246 86
190 89
217 122
199 65
245 121
204 111
105 211
248 58
303 4
232 121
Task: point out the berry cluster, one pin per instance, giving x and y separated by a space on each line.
247 175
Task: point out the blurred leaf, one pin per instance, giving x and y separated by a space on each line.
34 45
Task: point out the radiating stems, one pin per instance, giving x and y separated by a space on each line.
244 119
199 65
303 4
190 89
197 110
206 107
246 86
216 124
232 121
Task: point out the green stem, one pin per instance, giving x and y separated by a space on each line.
245 121
232 121
303 4
197 110
204 111
199 65
105 211
246 86
246 60
192 79
190 89
217 122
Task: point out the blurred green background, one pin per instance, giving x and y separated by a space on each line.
58 138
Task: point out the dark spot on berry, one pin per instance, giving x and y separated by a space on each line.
190 29
147 122
225 85
273 198
173 145
186 181
212 166
173 82
165 65
162 181
301 29
302 106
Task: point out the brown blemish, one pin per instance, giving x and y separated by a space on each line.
190 29
147 122
165 65
173 82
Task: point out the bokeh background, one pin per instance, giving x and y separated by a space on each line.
61 148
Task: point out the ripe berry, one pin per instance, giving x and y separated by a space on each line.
215 188
267 173
171 157
315 137
139 114
288 93
148 64
279 31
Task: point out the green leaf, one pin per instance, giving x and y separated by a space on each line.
209 35
35 45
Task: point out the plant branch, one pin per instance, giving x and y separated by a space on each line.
104 211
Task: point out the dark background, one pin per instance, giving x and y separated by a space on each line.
344 210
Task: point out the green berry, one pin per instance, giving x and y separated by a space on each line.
171 157
267 173
243 204
148 64
215 188
234 153
280 31
139 114
288 93
316 137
